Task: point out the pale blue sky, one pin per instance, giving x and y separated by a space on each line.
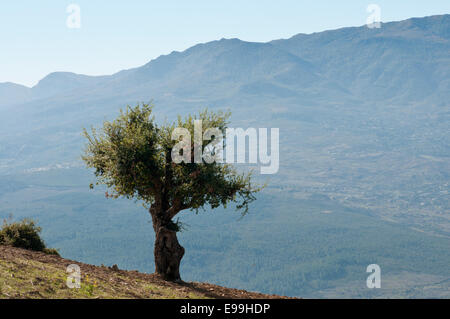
116 35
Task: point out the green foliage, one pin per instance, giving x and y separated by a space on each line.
132 156
24 234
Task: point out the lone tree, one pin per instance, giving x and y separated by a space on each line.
132 156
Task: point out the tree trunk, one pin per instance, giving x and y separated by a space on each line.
168 254
168 251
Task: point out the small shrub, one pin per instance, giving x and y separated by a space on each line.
24 234
51 251
89 285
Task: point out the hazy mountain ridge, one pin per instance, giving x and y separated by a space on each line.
11 93
358 61
54 84
402 61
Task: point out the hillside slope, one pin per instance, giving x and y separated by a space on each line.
29 274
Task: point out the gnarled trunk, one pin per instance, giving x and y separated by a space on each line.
168 254
168 251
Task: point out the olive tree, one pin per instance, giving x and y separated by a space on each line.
133 157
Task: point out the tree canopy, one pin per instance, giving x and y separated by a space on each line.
132 156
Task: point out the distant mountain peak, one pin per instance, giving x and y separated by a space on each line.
61 82
356 60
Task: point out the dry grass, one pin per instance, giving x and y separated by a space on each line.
29 274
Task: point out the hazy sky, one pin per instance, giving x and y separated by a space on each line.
116 35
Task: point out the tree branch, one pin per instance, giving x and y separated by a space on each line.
176 207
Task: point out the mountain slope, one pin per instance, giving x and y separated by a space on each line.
29 274
52 85
401 61
11 93
63 82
